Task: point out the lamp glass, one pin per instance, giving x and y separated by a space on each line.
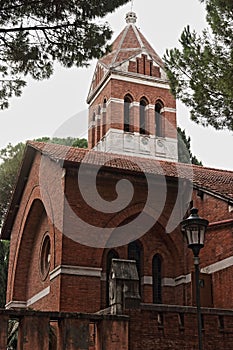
195 234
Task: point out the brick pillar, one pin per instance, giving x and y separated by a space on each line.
112 334
151 121
3 331
73 334
116 113
136 113
33 333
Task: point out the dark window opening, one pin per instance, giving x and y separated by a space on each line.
143 104
135 253
144 64
137 62
127 102
151 68
158 120
157 279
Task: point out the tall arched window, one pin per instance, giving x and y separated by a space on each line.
127 101
157 279
158 119
135 253
112 254
143 104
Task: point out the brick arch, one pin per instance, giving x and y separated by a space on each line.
168 247
126 215
144 98
36 220
160 100
171 243
129 94
129 97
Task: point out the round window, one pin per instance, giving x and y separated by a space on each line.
45 256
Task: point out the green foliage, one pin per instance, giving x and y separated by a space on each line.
4 253
201 73
68 141
184 149
81 143
34 34
11 157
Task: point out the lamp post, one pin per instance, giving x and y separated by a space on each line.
194 229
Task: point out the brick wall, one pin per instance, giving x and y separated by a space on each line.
65 331
118 89
88 293
149 327
163 328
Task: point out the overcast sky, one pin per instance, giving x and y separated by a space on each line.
57 107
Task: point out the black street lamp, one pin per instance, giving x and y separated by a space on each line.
194 229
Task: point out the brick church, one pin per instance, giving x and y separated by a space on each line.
97 231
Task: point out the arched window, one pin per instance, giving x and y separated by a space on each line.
112 254
127 102
135 253
158 119
157 279
143 104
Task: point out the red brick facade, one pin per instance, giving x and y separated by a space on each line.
131 69
62 242
76 281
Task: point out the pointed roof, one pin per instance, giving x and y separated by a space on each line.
129 43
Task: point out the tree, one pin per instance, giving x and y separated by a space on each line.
11 157
67 141
4 252
201 73
184 149
35 33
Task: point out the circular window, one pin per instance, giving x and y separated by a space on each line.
45 257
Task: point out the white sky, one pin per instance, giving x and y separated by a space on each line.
57 107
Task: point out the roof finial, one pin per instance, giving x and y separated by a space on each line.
131 5
131 17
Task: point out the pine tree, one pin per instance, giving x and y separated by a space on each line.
35 33
4 252
201 73
184 149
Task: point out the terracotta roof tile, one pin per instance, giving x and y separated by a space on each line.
216 181
129 39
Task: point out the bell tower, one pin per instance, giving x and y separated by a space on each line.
131 109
